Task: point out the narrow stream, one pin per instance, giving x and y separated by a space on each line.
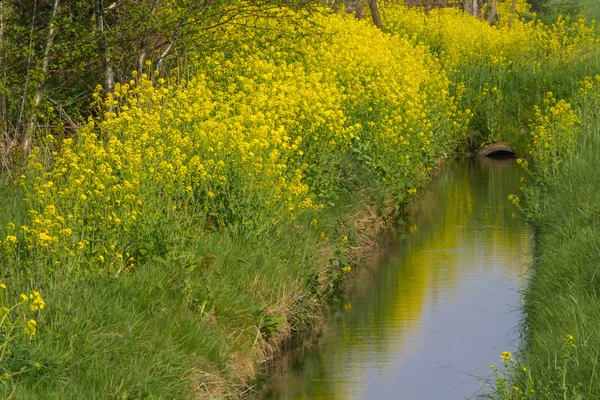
438 308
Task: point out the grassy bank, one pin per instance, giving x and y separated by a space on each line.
195 323
560 357
561 327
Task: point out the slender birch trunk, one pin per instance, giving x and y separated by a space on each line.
476 8
513 8
493 13
144 43
39 93
109 75
19 127
375 13
169 47
3 59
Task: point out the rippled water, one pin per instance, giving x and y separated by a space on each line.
439 307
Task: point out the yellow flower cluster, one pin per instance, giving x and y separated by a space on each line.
506 356
589 96
16 318
36 302
16 312
255 134
554 135
460 39
30 327
394 95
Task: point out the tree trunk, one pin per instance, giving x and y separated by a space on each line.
513 8
493 14
39 93
476 8
375 13
359 14
472 7
144 43
109 75
355 6
169 47
19 127
3 59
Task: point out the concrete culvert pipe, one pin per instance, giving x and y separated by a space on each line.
497 150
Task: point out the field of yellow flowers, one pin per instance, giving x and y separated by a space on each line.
508 68
204 213
254 137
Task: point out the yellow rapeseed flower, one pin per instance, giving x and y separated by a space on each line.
36 301
506 356
30 327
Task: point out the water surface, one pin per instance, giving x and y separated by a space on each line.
439 307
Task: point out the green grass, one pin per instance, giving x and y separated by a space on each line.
11 209
188 324
562 293
590 8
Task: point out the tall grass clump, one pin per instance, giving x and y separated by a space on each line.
200 218
560 356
